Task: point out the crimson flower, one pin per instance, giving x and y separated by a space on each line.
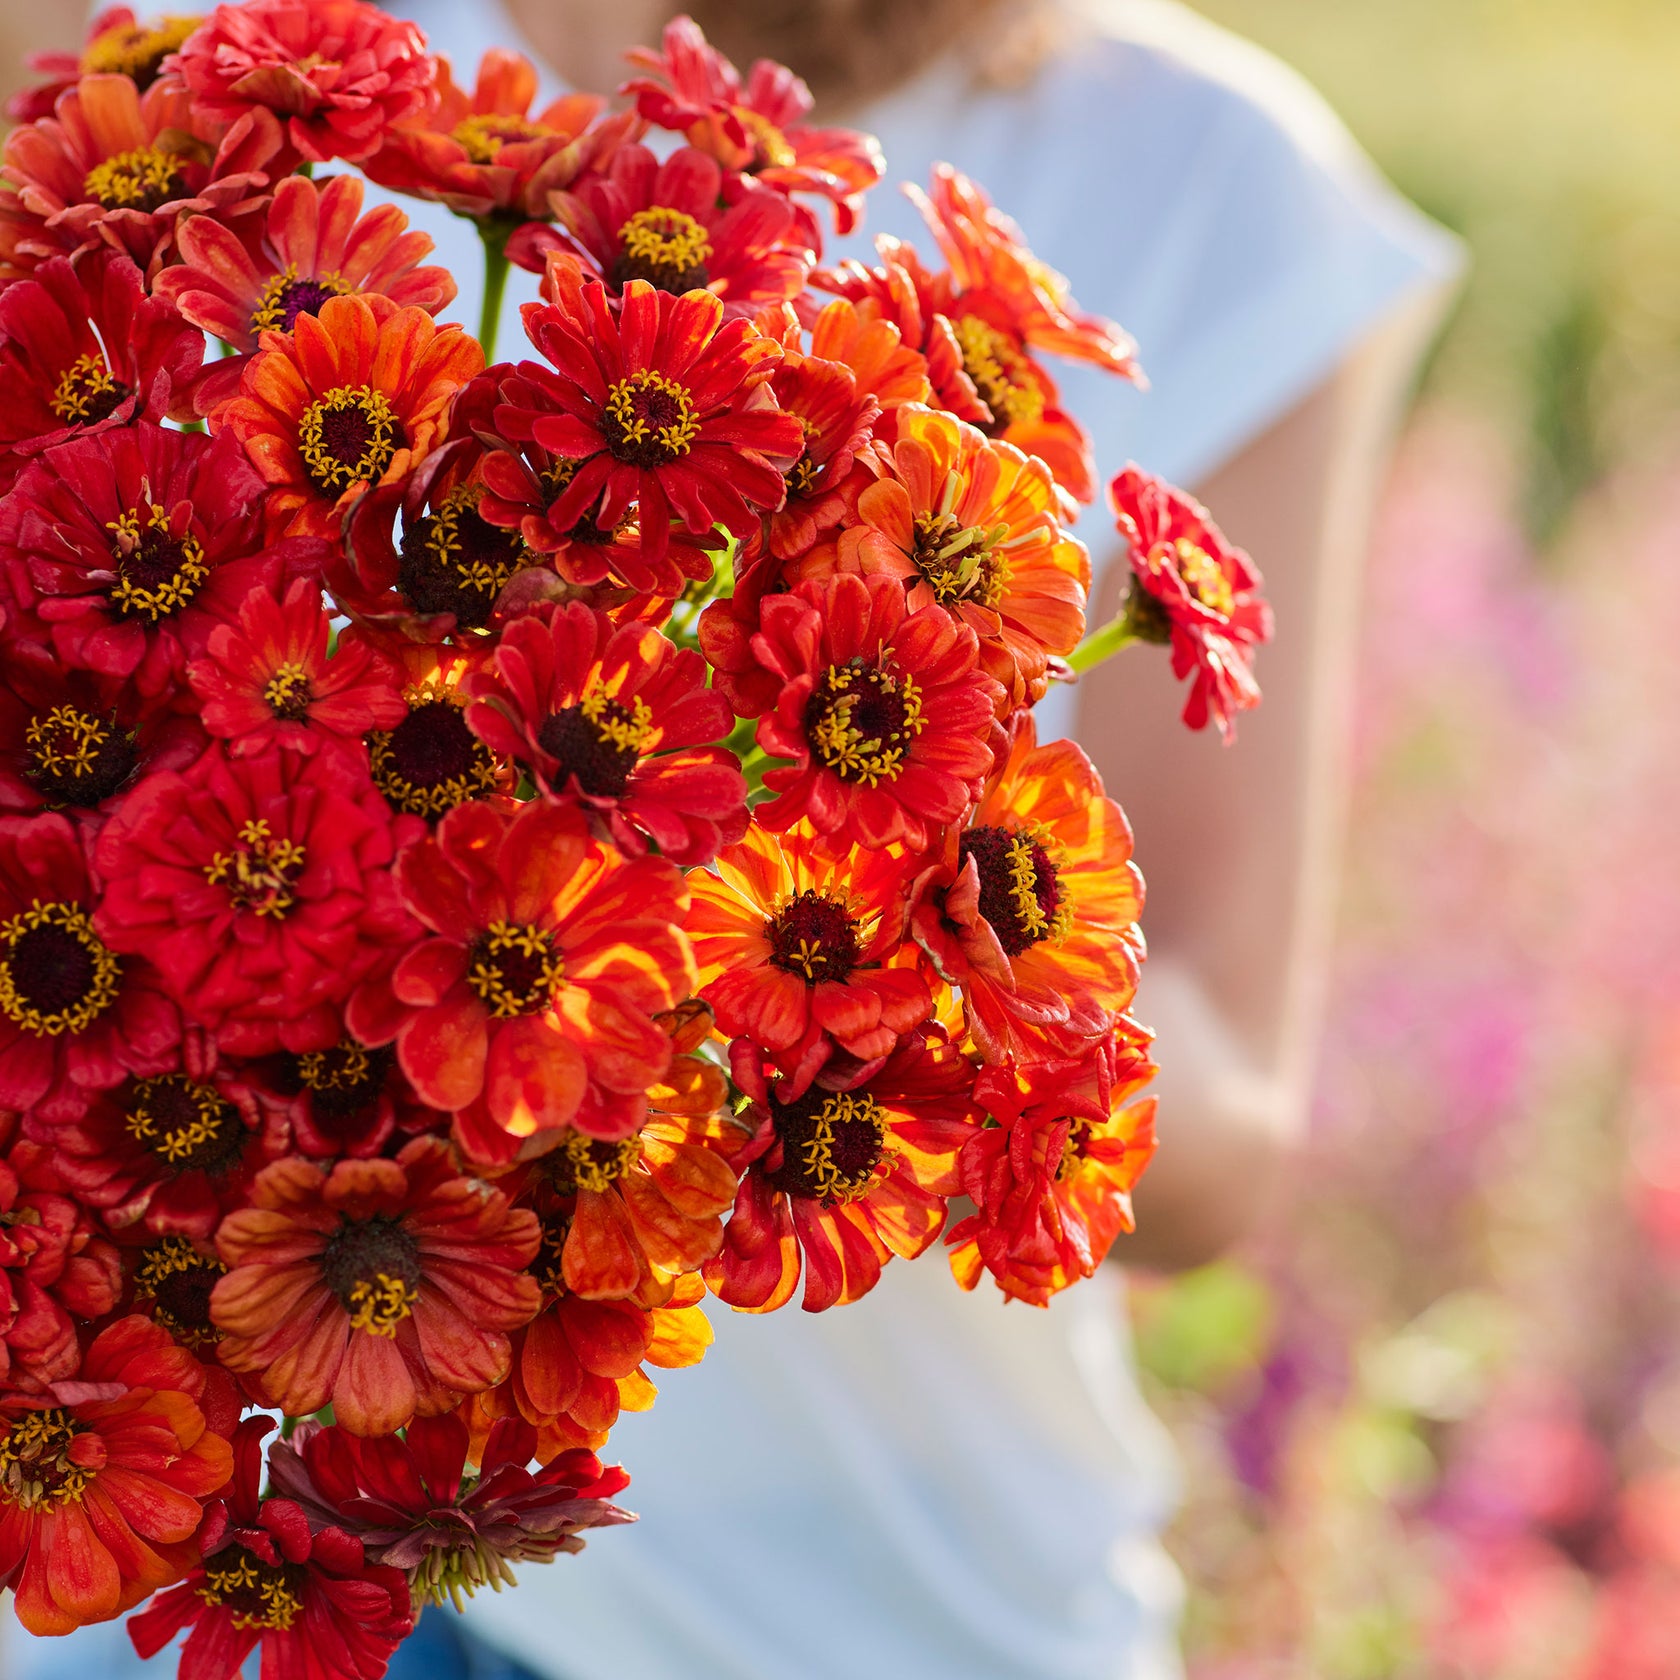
259 886
83 349
102 1479
75 1017
620 720
755 126
385 1288
337 73
1195 589
658 403
268 681
414 1506
884 712
311 1601
529 1005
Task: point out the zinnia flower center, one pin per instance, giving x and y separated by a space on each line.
86 392
289 295
348 437
136 51
1074 1147
177 1279
834 1146
961 562
1001 374
260 872
664 247
814 935
56 976
288 694
143 179
157 571
482 137
189 1126
861 721
36 1462
76 758
515 967
649 420
586 1163
259 1595
599 741
344 1079
456 561
431 762
770 147
1021 895
1203 576
802 476
373 1267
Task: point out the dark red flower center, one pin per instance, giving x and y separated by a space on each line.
515 967
862 721
456 561
56 975
961 562
260 872
599 741
289 693
86 393
1001 373
816 936
136 50
349 436
549 1266
289 295
189 1126
1075 1147
373 1267
667 248
158 570
586 1163
834 1145
144 179
431 762
1021 894
75 758
344 1080
649 420
37 1468
255 1593
176 1277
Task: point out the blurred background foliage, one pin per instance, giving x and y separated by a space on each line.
1431 1424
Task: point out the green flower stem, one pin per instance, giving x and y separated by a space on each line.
1104 643
495 284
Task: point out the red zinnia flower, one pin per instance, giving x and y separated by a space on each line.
679 225
260 887
170 1278
801 949
385 1288
620 720
128 548
84 349
354 396
413 1505
74 1016
268 681
54 1269
531 1004
310 1599
757 127
338 73
884 711
312 243
484 154
1032 907
1195 589
102 1480
661 406
972 525
844 1179
117 43
1051 1180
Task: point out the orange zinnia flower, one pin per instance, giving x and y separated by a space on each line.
1032 909
117 43
354 397
801 949
386 1288
972 525
103 1479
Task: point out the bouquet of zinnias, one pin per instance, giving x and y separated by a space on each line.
488 854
